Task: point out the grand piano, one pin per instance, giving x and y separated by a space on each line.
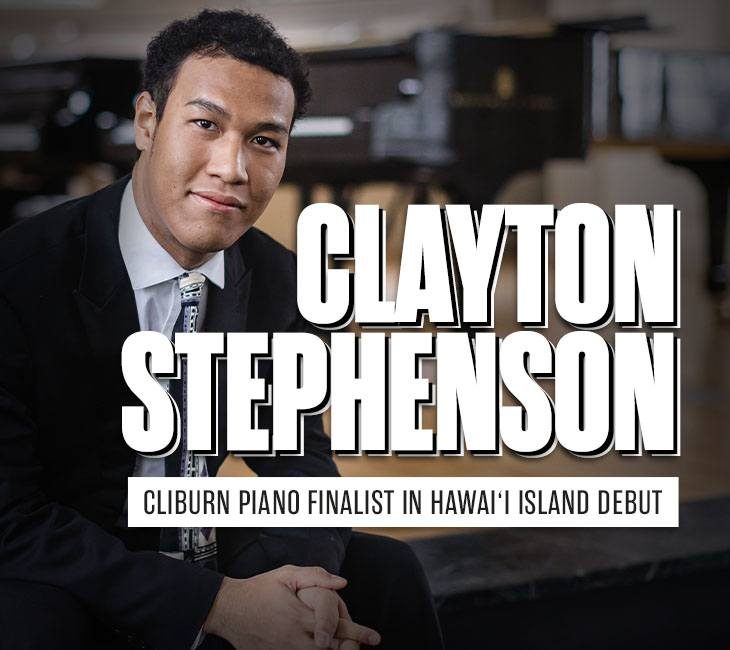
463 111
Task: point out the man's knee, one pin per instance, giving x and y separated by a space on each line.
384 550
39 616
383 559
388 590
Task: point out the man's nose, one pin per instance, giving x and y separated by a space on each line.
228 161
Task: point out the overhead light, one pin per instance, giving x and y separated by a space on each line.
23 46
321 127
123 133
64 117
106 120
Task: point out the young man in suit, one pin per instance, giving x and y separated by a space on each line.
221 92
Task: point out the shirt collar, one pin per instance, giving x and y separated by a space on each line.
146 261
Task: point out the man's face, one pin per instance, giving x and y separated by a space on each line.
210 165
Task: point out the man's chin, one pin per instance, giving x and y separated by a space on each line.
214 245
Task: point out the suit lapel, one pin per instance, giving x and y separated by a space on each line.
104 296
107 308
227 308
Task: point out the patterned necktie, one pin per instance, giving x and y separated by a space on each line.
192 544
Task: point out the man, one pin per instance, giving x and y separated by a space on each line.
222 91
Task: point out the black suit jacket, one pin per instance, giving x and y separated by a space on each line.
66 307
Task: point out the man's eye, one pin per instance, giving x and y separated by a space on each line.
205 124
265 142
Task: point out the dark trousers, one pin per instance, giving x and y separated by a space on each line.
387 590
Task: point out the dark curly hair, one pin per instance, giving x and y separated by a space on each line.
242 35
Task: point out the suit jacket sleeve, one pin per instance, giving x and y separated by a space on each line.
255 551
46 542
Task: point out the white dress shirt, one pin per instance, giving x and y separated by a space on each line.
153 274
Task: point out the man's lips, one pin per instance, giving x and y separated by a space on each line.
217 201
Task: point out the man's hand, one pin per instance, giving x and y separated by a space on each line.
264 613
333 627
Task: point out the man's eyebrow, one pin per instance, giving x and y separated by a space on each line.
277 127
208 106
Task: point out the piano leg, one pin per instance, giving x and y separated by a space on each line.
717 206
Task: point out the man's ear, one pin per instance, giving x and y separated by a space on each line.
145 121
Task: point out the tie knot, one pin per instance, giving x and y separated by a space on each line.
191 286
191 289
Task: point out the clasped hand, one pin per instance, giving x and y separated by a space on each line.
290 607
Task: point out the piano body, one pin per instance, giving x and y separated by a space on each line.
462 111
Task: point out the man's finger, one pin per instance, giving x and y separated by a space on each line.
342 608
349 644
345 644
312 576
326 618
359 633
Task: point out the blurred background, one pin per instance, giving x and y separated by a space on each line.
522 101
